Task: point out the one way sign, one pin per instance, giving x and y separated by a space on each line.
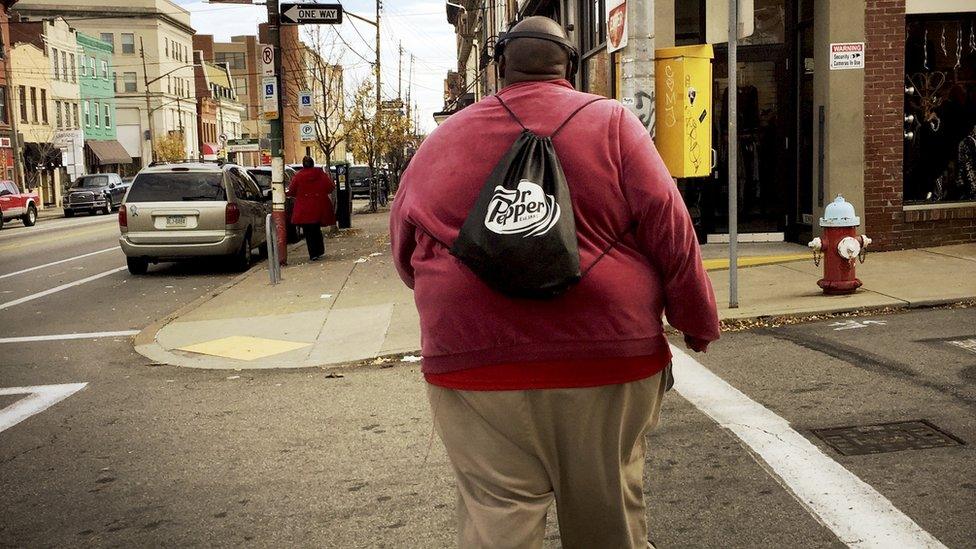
303 14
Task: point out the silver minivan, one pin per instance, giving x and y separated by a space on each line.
192 209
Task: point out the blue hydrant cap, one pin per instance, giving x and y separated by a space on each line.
839 213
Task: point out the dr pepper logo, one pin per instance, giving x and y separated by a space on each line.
528 210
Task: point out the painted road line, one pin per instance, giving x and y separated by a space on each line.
851 508
61 337
57 289
51 264
40 398
14 232
29 241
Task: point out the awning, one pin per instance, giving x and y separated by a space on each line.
109 151
209 151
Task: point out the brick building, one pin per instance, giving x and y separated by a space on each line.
895 135
8 144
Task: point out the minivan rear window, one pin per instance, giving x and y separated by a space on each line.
175 186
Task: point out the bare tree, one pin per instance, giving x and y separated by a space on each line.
319 70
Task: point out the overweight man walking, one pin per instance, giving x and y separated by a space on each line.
549 399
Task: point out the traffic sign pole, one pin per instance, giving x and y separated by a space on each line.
277 135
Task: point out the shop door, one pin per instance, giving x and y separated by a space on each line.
767 119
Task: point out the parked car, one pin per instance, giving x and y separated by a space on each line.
262 176
15 204
93 192
192 209
358 179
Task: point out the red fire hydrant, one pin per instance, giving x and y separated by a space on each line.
840 246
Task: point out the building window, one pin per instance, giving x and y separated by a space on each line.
97 117
233 59
110 38
940 140
22 99
74 109
43 105
166 46
83 68
3 105
128 82
74 61
108 117
57 66
128 42
169 84
105 69
595 64
58 119
33 95
85 107
64 66
91 67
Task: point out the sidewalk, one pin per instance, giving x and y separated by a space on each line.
352 307
50 213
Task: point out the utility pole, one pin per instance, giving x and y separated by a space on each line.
637 62
277 137
149 113
400 74
374 177
409 86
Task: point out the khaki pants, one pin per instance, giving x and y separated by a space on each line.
514 452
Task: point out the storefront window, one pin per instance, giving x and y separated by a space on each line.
940 108
595 65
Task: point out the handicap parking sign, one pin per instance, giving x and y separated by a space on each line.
305 109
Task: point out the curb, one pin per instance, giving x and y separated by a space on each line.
748 323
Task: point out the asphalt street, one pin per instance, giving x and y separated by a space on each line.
152 455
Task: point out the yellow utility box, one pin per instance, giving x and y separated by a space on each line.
683 86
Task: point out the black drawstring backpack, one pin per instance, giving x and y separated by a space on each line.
520 236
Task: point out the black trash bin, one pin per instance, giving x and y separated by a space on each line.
343 196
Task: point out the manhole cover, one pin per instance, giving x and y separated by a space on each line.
886 437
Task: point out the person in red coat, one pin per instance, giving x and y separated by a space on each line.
311 187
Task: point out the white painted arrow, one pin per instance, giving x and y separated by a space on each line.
40 398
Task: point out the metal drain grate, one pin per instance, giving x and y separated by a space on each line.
859 440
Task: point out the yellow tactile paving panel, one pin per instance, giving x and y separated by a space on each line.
753 261
244 347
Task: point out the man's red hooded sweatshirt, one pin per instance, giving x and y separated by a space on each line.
608 328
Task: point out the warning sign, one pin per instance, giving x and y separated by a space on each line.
847 55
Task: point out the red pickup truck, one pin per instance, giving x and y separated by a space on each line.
14 204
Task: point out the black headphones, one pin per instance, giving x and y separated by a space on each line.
505 37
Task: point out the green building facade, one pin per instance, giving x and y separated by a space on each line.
97 86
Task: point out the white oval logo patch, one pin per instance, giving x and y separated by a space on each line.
528 211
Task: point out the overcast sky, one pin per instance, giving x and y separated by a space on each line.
421 25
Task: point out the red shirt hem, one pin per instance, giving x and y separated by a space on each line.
560 374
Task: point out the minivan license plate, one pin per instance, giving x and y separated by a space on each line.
176 221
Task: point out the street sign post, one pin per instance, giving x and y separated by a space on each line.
305 110
306 131
304 14
243 145
269 106
267 60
